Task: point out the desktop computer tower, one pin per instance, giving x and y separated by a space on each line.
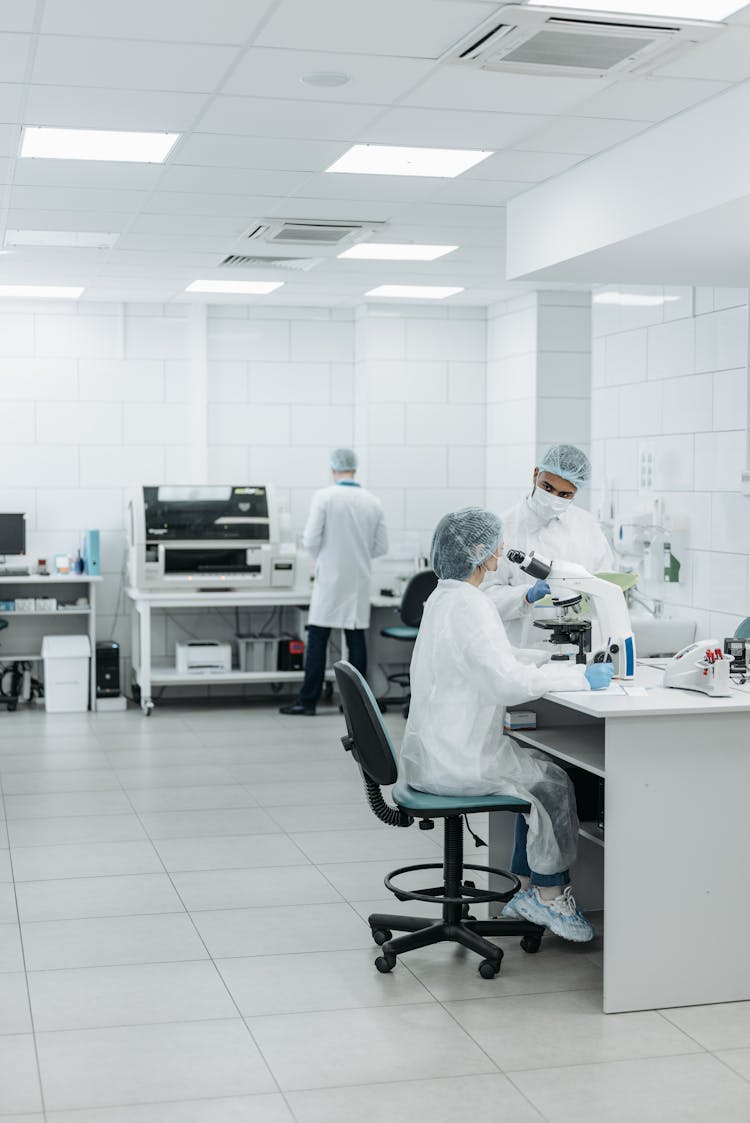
107 669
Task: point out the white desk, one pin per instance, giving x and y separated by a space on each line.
674 860
57 586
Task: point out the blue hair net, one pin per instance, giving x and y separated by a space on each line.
462 541
568 462
344 460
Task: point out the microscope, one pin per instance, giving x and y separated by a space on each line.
569 584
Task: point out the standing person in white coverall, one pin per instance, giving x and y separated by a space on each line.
345 530
547 521
463 673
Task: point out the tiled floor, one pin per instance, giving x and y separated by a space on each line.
182 941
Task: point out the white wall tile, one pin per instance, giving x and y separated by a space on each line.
24 378
564 329
331 426
680 302
673 463
730 298
466 467
79 423
228 464
626 357
18 421
176 380
79 508
730 522
688 404
290 382
162 423
120 465
688 514
720 461
177 464
466 382
406 381
463 340
308 465
342 383
16 334
566 420
511 422
121 380
21 500
386 424
394 507
514 333
450 424
93 337
510 466
512 378
227 382
703 300
382 338
640 408
563 374
605 412
250 340
156 337
721 340
730 398
232 423
720 581
426 506
419 467
39 465
671 349
325 342
621 459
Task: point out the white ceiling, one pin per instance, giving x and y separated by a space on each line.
256 140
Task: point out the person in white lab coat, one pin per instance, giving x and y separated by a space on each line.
463 674
345 530
548 521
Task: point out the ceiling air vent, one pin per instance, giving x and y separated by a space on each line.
303 233
296 264
553 42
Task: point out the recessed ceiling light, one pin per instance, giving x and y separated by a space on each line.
384 159
326 78
393 251
97 144
713 10
632 299
415 292
236 288
44 292
85 239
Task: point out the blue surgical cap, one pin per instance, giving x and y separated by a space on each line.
344 460
462 541
568 462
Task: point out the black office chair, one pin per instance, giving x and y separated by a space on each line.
369 743
418 589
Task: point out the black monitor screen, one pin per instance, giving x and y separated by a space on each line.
12 534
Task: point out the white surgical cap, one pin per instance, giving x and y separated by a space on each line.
568 462
462 541
344 460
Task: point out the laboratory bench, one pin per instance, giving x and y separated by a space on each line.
670 866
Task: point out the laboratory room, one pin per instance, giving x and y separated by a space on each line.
374 561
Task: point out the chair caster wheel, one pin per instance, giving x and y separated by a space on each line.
385 963
380 935
531 944
488 970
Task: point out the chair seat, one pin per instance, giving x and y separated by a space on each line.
426 804
400 631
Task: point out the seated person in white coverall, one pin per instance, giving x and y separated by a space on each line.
463 673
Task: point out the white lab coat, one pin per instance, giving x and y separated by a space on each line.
463 674
576 537
345 530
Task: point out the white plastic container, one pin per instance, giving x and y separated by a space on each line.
66 674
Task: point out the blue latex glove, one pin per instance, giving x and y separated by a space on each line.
538 590
599 675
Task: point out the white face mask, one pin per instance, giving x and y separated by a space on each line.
548 506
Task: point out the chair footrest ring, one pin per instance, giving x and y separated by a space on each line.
472 896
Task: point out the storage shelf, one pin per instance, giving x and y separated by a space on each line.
22 615
9 657
582 745
170 676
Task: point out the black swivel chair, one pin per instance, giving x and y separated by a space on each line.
418 589
369 743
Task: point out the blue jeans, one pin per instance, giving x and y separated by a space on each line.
519 864
315 659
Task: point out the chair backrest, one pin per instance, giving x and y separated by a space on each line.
743 630
418 589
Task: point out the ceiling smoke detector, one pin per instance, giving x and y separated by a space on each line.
575 43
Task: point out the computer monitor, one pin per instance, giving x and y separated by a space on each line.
12 534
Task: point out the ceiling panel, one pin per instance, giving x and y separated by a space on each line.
14 51
265 72
85 173
584 135
479 192
9 135
399 188
186 202
458 87
525 167
438 216
416 29
300 206
79 107
231 181
15 16
211 150
726 57
263 117
189 242
10 101
452 128
648 99
66 220
230 226
129 64
221 21
76 199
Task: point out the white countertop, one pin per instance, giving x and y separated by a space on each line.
658 700
214 598
51 579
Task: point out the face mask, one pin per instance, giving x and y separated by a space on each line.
548 506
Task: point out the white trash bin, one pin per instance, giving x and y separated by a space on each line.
66 674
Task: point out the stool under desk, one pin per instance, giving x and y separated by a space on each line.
671 866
